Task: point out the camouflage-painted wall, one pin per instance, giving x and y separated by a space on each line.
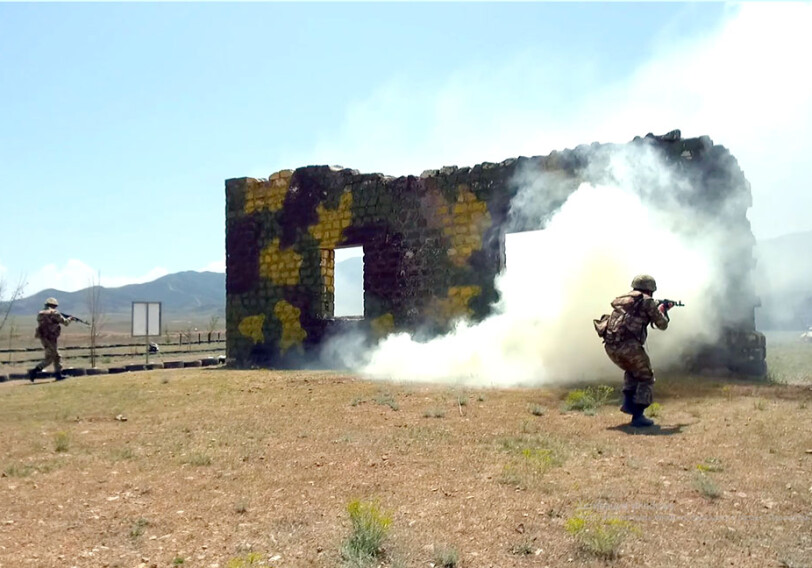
433 245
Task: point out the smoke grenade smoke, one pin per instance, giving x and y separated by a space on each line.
623 222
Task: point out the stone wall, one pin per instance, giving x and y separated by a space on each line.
433 246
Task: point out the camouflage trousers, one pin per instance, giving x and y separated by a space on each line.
638 378
51 355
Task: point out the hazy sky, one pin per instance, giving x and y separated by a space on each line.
120 122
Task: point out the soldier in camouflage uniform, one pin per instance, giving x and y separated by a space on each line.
49 322
624 333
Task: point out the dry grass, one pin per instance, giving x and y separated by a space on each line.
219 468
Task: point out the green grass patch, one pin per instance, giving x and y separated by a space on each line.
601 537
588 399
654 410
370 525
246 561
61 441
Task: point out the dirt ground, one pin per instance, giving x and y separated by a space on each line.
225 468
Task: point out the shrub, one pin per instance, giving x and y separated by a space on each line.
590 398
710 465
598 536
537 410
446 557
654 410
706 487
434 413
199 459
386 399
370 526
246 560
138 527
61 442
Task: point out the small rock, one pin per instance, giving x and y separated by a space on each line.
121 418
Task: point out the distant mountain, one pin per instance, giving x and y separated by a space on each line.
188 293
783 280
180 293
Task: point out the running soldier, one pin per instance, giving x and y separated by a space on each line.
624 334
49 322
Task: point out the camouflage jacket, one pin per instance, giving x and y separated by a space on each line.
48 324
631 315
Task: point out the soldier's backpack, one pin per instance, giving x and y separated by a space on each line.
625 321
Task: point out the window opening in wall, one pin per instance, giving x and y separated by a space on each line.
349 282
523 253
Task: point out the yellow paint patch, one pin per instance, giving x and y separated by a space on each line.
292 332
465 223
251 327
269 194
455 305
332 222
383 325
280 266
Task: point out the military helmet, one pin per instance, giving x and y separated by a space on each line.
644 282
51 302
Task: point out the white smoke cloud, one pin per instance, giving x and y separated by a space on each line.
742 84
561 278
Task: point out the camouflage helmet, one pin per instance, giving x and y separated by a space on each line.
644 282
51 302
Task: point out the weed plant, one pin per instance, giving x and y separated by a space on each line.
588 399
446 557
370 526
61 442
598 536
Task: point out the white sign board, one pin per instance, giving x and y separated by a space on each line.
146 319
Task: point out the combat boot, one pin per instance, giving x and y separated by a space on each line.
32 373
628 403
638 418
59 376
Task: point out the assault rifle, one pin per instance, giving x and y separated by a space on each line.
74 318
671 303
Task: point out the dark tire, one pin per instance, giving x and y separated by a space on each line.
208 361
173 364
151 366
116 370
17 376
193 363
3 378
96 371
135 367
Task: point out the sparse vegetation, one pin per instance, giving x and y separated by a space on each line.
246 561
386 399
598 536
537 410
654 410
446 557
706 487
198 459
710 465
138 527
370 526
588 399
61 441
434 413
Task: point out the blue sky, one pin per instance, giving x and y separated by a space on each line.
120 122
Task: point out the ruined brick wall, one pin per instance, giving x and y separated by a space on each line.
433 246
